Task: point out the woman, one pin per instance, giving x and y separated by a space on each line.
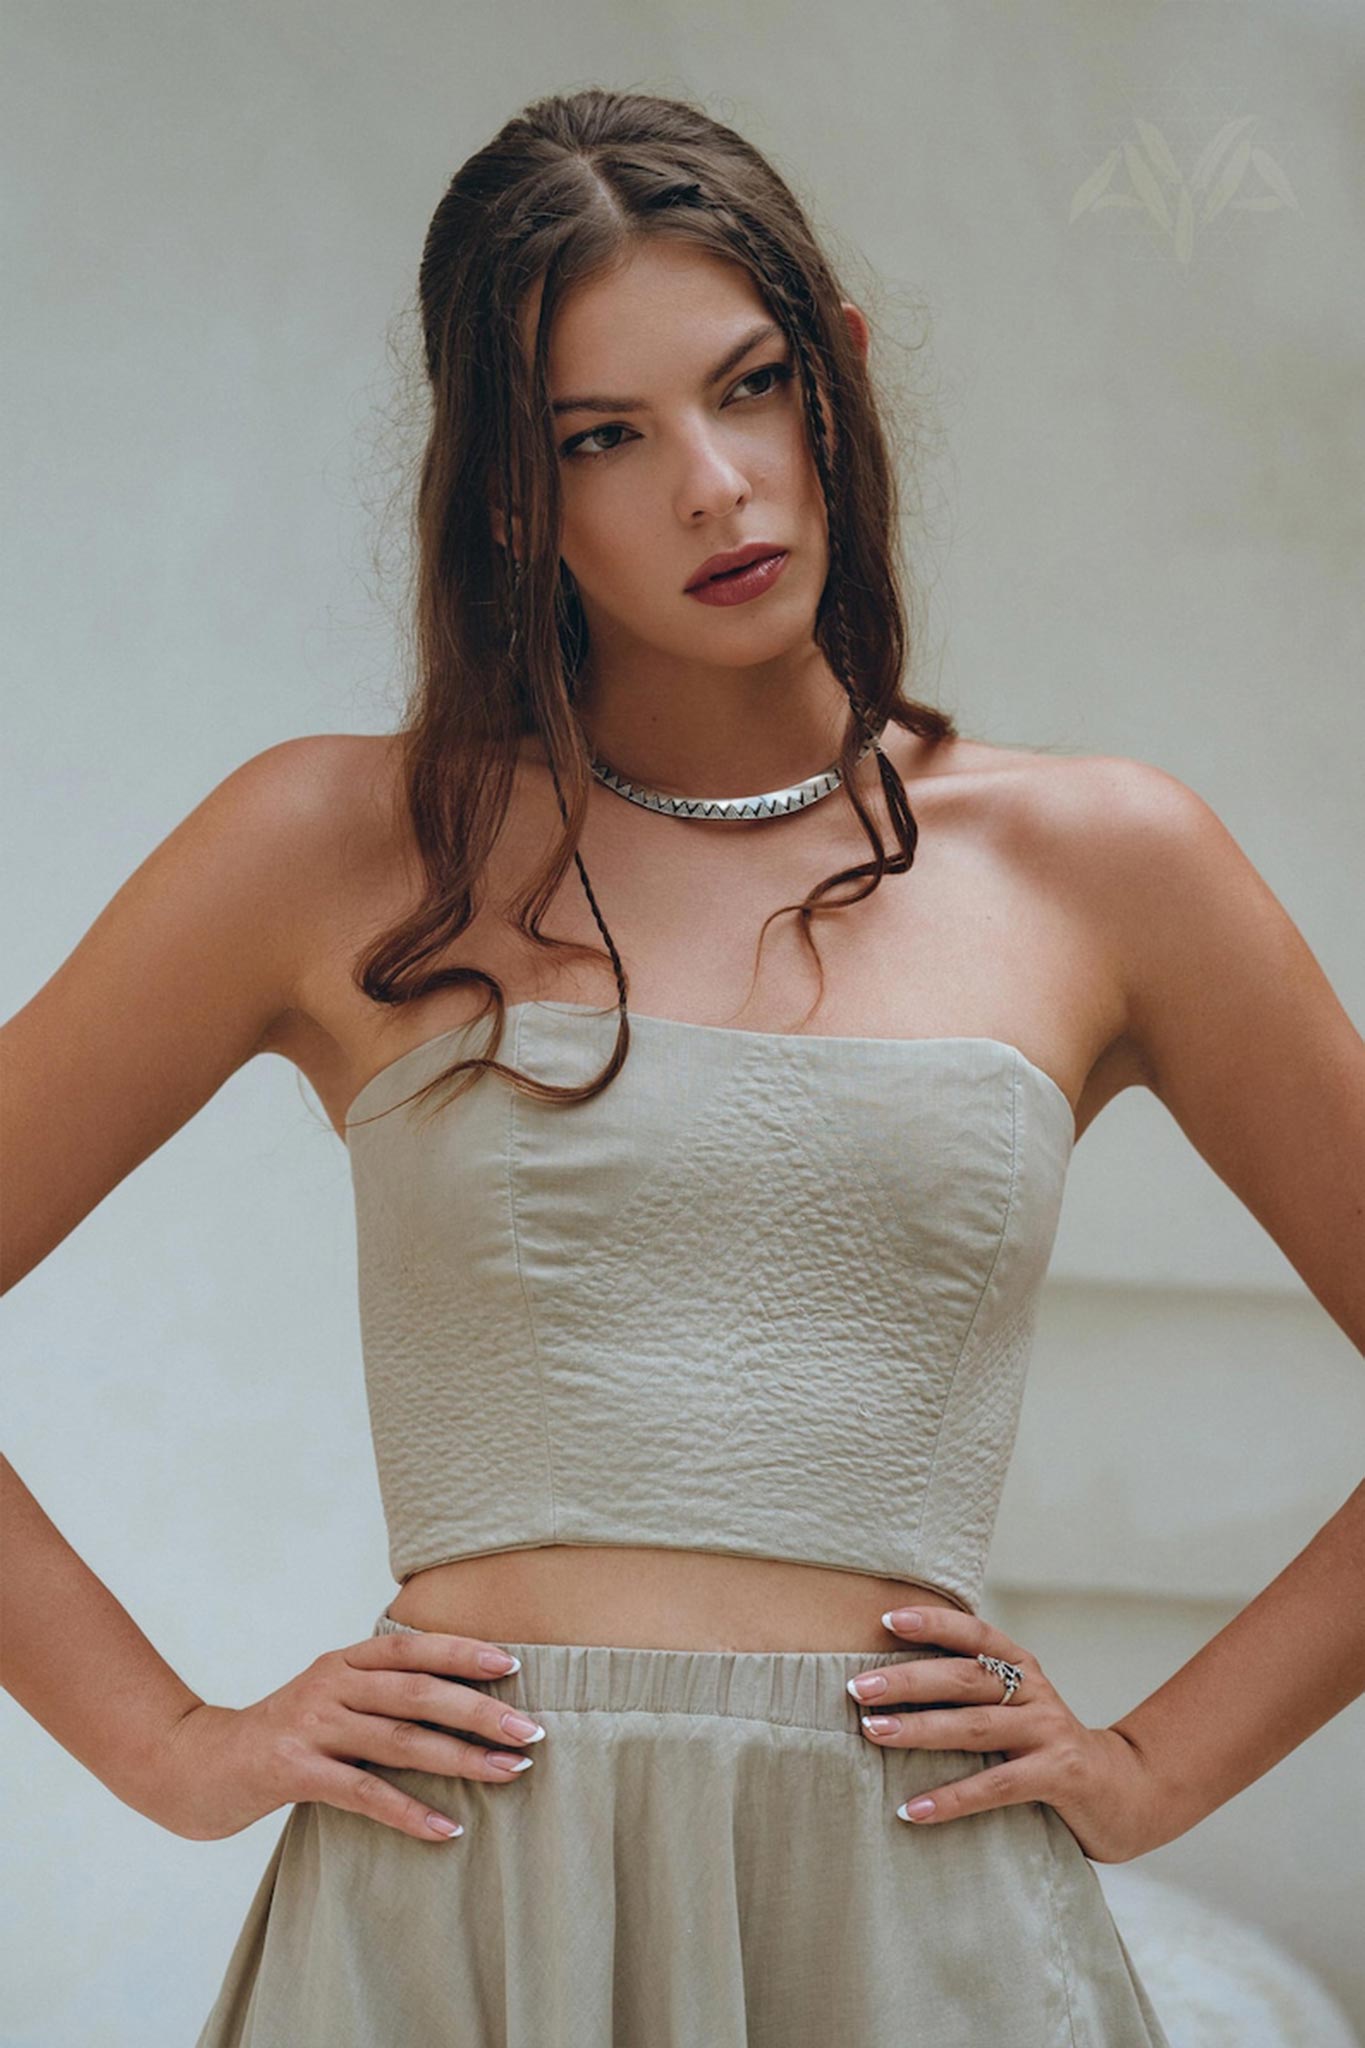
695 1330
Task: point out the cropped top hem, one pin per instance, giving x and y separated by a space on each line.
912 1579
767 1294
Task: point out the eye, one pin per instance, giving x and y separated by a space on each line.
578 445
782 373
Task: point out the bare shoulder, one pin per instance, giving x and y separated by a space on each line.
1072 794
331 790
322 815
1081 838
1100 824
1163 884
1230 1015
1082 819
185 974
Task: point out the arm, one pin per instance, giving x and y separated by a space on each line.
1242 1038
178 982
1282 1667
76 1660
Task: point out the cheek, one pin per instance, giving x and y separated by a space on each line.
607 550
590 533
794 474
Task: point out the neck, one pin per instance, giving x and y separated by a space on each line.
736 733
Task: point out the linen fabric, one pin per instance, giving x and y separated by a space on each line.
704 1854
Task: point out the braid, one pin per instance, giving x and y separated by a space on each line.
792 293
514 641
617 968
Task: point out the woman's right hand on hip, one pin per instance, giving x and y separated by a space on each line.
229 1766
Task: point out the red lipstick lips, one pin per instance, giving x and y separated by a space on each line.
738 558
735 577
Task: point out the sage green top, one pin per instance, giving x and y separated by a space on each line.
768 1294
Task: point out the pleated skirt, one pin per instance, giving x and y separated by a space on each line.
705 1854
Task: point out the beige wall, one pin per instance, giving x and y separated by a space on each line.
1143 478
1177 1447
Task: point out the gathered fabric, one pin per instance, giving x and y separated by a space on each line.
705 1854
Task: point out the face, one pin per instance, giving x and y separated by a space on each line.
697 464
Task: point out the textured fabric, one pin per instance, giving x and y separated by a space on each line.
769 1295
705 1854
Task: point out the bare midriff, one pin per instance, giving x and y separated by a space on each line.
657 1599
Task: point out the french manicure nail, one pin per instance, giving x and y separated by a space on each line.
498 1661
521 1724
867 1687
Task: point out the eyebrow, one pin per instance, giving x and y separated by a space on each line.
594 402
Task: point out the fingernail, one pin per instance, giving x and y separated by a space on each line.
499 1661
867 1688
513 1763
519 1724
438 1823
915 1809
903 1618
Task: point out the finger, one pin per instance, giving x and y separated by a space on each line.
956 1630
426 1650
928 1678
359 1791
416 1696
975 1728
964 1634
407 1746
998 1785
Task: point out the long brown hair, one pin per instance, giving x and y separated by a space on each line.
561 194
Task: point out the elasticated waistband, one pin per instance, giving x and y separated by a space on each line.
801 1688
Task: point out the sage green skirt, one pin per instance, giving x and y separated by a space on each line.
705 1854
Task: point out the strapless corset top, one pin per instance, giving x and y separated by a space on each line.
767 1294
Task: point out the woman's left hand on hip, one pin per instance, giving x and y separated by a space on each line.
1095 1778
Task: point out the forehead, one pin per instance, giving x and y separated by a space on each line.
665 301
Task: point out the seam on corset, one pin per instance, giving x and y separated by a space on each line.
513 1166
965 1346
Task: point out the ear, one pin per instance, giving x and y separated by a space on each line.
857 326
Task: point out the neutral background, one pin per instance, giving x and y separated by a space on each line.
1141 527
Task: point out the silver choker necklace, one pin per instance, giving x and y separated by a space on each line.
771 804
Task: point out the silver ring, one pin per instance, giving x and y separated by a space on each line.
1011 1674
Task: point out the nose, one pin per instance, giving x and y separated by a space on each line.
711 483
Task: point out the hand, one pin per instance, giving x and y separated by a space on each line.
1094 1777
225 1767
